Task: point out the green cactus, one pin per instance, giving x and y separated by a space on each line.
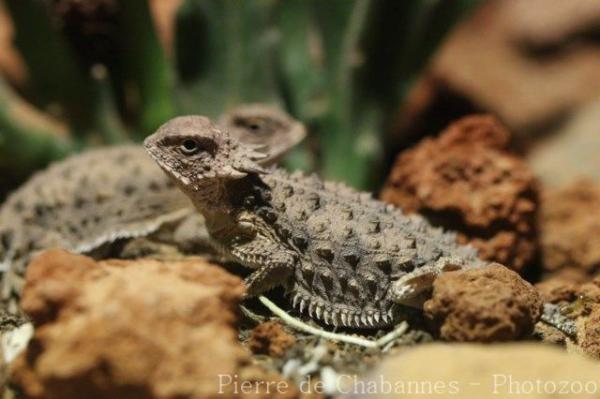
341 66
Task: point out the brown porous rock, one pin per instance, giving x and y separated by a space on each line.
590 291
466 180
570 227
135 329
270 338
590 340
562 287
579 296
485 304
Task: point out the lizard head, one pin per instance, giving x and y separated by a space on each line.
264 124
201 156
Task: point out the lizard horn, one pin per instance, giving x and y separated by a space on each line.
229 171
249 166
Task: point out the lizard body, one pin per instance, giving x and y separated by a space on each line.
92 199
344 257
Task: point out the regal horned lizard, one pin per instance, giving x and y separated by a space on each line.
344 257
90 200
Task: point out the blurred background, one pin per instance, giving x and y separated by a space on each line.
368 78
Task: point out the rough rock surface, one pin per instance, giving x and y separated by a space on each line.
590 340
270 338
467 181
562 287
481 371
568 285
484 305
570 227
579 295
590 291
132 329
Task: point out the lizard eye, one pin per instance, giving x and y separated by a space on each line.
189 147
254 125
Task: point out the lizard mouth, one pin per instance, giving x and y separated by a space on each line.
168 170
159 158
153 153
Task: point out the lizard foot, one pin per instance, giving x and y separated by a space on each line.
413 289
266 278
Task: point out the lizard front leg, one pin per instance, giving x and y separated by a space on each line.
413 289
272 262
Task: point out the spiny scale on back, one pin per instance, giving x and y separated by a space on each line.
99 196
344 257
351 247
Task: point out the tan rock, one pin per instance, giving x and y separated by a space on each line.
483 305
535 371
570 227
531 62
133 329
467 181
590 341
570 151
